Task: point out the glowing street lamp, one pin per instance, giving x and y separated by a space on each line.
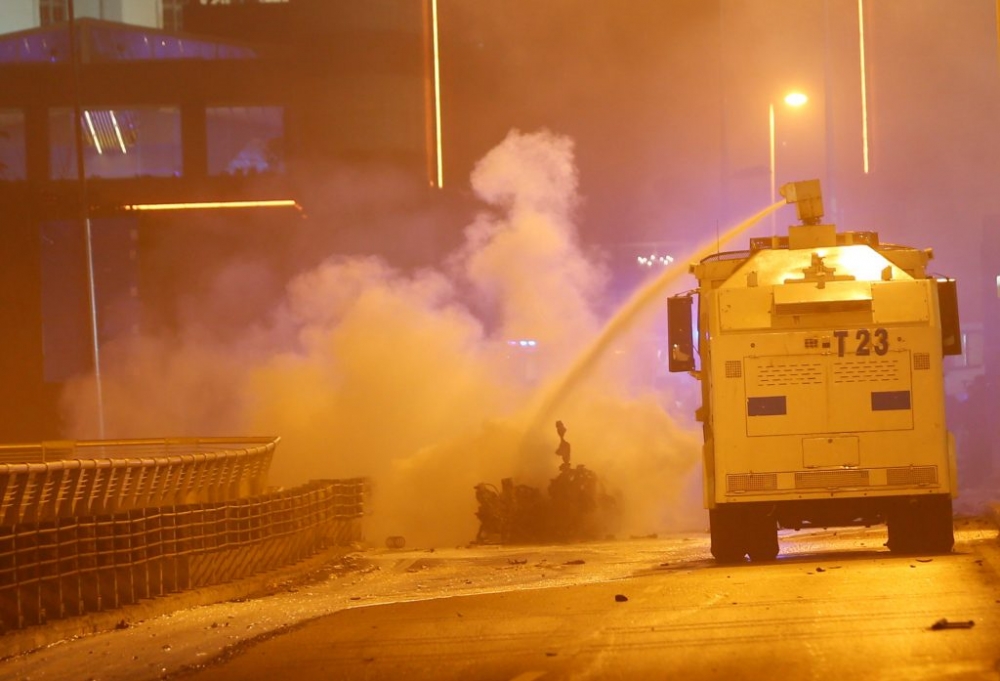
793 99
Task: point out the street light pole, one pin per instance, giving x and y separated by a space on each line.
84 211
793 99
770 130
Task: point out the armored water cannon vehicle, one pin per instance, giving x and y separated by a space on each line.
820 356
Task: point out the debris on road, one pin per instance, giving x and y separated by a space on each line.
575 507
620 598
946 624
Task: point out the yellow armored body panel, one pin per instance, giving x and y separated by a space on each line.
822 386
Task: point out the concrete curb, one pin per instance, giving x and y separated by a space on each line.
20 641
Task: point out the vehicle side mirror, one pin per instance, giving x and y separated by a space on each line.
680 330
951 330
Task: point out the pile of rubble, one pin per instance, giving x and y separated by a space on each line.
576 507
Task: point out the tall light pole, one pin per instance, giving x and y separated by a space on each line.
865 161
793 99
84 211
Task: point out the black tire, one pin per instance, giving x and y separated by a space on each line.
728 539
902 532
763 539
922 525
939 525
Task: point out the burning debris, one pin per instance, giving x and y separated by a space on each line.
575 508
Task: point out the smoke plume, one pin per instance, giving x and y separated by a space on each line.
425 380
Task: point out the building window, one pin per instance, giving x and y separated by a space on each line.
173 15
245 140
53 11
140 142
12 148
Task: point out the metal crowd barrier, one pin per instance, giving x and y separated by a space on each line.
66 479
66 566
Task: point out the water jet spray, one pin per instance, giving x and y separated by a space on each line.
556 393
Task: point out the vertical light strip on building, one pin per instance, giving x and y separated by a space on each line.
437 94
93 133
864 86
118 133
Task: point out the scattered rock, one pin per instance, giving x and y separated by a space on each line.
620 598
945 624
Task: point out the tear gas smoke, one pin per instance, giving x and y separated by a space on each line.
641 302
408 378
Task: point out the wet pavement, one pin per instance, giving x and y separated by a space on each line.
183 643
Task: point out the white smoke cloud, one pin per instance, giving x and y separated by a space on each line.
408 377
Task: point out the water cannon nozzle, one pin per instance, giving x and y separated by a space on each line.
808 200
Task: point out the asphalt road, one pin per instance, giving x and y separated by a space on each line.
835 605
840 608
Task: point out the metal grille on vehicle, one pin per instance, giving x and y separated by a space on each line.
864 371
801 373
734 368
824 479
751 482
912 475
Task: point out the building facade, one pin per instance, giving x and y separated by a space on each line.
211 103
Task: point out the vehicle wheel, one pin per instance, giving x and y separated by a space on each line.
922 525
938 535
902 524
763 539
727 537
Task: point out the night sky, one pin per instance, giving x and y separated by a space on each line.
667 103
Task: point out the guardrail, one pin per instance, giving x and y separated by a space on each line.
65 479
56 450
68 566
